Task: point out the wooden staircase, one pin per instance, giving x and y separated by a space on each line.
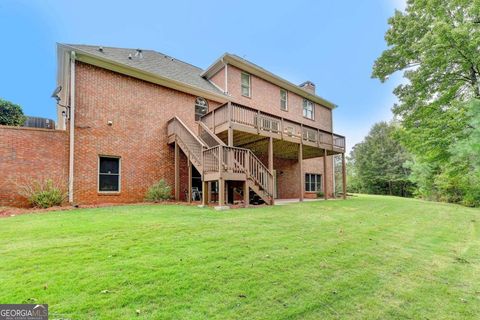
215 160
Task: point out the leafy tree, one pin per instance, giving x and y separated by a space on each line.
436 45
353 180
462 175
379 163
11 114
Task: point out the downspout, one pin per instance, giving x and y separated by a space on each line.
226 75
72 127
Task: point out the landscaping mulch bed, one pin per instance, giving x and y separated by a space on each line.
15 211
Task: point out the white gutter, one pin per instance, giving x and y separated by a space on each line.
84 56
72 127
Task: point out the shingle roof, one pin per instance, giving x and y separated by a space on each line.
153 62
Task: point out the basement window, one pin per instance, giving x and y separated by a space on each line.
246 87
313 182
109 174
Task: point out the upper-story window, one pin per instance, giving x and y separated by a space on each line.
308 111
283 100
201 108
246 87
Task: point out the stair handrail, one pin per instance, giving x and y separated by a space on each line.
252 161
204 127
268 187
183 133
188 129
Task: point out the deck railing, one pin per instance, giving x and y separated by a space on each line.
273 124
208 136
259 173
194 145
238 160
211 163
339 141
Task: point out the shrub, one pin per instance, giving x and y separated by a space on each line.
11 114
43 193
320 194
159 191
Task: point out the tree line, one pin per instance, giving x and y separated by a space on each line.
432 148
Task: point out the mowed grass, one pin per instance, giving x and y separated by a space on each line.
368 257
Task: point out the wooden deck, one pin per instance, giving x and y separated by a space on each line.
229 140
250 128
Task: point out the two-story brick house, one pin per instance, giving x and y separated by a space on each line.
131 117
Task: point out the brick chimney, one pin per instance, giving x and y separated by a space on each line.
309 86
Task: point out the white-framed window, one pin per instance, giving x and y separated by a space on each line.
108 174
201 108
246 85
313 182
308 109
283 99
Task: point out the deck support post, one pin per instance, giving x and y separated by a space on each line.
230 137
189 193
246 194
205 193
230 130
177 171
270 154
325 189
221 192
209 192
221 182
344 177
300 169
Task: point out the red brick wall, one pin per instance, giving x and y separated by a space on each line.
28 154
288 178
265 96
139 111
219 78
315 166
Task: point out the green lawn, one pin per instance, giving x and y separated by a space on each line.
369 257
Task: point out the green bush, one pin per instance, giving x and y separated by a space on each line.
159 191
11 114
320 194
43 193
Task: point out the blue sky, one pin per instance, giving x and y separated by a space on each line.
332 43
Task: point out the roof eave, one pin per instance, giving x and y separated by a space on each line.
214 67
264 74
251 68
111 65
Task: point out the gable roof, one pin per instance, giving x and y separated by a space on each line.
260 72
152 62
160 68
